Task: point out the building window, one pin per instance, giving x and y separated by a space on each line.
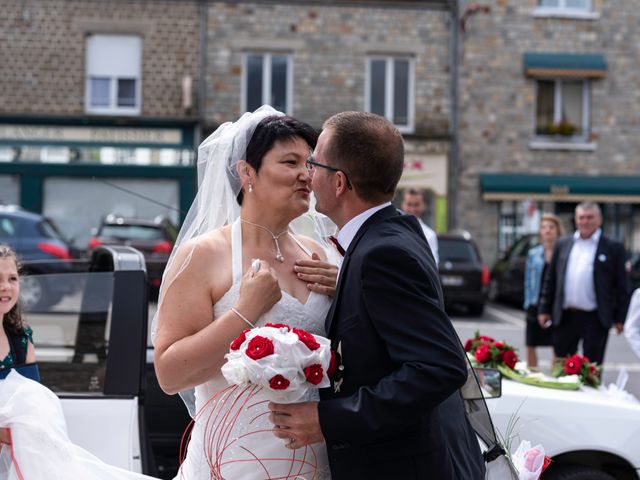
389 90
562 110
580 5
267 80
113 74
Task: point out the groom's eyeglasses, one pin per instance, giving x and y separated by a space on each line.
311 163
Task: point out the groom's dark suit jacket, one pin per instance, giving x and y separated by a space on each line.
399 413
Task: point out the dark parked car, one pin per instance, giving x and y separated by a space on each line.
154 238
41 250
507 274
464 277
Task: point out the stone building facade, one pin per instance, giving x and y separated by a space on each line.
44 52
96 99
325 50
511 57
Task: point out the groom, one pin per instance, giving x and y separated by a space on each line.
398 412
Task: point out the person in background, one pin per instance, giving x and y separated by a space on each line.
538 260
414 203
632 323
585 291
16 343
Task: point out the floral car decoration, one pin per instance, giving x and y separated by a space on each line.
587 372
487 352
286 362
484 351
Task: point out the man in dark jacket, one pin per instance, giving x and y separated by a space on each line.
585 290
397 412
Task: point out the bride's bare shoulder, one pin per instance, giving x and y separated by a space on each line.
209 249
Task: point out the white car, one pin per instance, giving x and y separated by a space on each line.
589 434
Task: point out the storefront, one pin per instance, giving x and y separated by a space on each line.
75 170
522 198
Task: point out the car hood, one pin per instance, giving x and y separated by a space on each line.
566 421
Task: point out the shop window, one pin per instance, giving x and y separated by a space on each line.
267 79
562 110
390 90
113 83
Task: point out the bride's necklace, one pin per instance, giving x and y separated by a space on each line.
279 256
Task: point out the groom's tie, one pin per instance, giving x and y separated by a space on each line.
334 240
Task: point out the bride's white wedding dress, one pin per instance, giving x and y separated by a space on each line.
41 448
243 447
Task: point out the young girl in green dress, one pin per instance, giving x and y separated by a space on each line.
16 344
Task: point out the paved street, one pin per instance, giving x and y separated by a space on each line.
506 323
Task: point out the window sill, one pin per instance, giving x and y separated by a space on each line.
543 144
565 13
113 111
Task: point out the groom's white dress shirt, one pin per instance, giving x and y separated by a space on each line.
349 230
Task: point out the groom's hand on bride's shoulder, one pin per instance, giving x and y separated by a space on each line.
298 423
321 276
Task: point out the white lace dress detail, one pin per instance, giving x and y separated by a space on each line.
251 450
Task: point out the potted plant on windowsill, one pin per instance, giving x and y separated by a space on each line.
562 128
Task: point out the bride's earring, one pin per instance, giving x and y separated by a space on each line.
250 187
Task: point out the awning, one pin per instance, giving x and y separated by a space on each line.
560 188
584 65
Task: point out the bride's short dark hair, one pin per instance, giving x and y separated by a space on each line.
272 129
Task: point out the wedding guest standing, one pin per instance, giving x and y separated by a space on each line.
413 203
585 291
538 260
16 344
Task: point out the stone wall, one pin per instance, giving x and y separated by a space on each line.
497 116
43 51
329 45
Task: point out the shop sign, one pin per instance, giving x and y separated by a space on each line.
89 135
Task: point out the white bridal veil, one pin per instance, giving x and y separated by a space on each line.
215 203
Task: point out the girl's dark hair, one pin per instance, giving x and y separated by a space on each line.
270 130
13 318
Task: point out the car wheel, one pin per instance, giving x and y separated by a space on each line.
494 290
476 308
34 294
576 473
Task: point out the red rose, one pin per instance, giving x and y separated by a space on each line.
278 325
509 358
278 382
306 338
259 347
499 345
313 373
468 345
484 338
573 365
545 463
483 354
593 370
333 365
237 343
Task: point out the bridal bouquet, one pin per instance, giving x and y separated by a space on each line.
286 362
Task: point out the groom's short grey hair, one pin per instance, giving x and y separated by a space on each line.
370 150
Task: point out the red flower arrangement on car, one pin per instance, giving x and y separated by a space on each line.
487 352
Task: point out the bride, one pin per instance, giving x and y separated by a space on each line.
253 203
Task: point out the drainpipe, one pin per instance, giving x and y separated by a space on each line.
454 160
202 69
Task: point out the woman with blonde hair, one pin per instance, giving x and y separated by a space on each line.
538 259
